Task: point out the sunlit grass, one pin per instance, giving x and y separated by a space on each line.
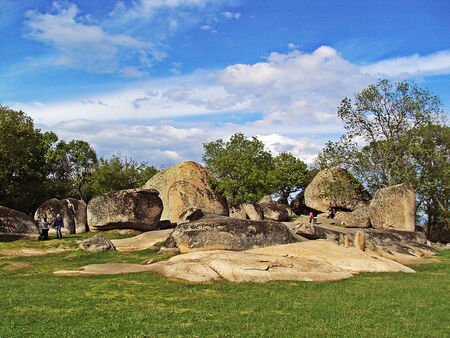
38 303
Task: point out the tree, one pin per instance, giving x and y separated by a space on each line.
396 133
290 175
73 162
118 174
383 116
23 161
242 167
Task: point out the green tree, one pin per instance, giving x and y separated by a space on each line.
290 175
243 169
404 139
119 173
23 161
73 163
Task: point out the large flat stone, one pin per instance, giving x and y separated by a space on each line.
142 241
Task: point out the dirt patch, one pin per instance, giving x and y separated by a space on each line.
17 265
31 252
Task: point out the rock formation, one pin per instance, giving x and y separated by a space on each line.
97 243
189 215
13 222
185 186
358 218
275 212
394 208
146 240
125 209
247 211
335 188
298 205
73 213
220 232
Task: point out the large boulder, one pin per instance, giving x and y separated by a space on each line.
358 218
13 222
394 208
146 240
184 186
247 211
298 204
72 211
138 209
219 232
335 188
275 212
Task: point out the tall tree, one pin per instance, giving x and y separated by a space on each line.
404 138
290 175
23 161
242 167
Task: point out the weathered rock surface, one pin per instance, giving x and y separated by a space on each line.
275 212
143 241
308 261
298 204
183 186
220 232
97 243
189 215
358 218
401 246
348 194
265 199
125 209
73 213
394 208
247 211
13 222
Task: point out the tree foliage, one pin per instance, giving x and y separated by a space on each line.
290 175
242 167
396 133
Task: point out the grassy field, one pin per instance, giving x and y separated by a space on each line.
36 303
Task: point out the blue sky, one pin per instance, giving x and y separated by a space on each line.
154 79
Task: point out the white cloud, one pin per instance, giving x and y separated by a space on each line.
291 98
414 65
86 46
292 46
230 15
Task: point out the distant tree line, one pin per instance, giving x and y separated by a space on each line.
36 166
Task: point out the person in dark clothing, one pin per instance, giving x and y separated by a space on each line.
331 213
58 224
44 225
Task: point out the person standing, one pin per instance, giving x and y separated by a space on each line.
44 225
58 224
311 217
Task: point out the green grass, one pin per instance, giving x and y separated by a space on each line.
35 302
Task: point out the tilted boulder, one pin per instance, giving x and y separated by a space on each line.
184 186
394 208
125 209
13 222
189 215
219 232
298 205
275 212
72 211
358 218
265 199
335 188
247 211
97 243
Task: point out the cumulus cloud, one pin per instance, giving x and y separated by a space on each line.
292 99
295 87
414 65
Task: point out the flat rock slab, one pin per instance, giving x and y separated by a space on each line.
105 269
143 241
312 261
